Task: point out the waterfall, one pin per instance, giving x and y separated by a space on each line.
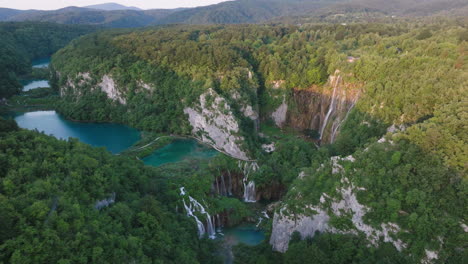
330 111
336 129
223 185
260 218
195 206
249 186
230 183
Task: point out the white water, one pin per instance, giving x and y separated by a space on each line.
249 186
260 219
336 129
330 111
193 207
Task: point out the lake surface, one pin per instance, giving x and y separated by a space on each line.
247 234
41 63
35 84
114 137
179 150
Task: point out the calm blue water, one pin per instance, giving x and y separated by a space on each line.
247 234
41 63
114 137
35 84
179 150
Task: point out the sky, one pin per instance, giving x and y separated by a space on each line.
143 4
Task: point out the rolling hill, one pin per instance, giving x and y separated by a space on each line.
232 12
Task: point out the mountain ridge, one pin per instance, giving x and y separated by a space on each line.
231 12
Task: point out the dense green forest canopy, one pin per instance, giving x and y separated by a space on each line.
411 73
48 199
393 62
23 42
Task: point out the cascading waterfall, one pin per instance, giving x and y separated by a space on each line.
336 129
195 206
330 111
260 218
249 186
229 183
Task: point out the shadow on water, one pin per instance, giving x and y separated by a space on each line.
178 150
246 234
114 137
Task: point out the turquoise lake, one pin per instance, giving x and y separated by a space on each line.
35 84
178 150
41 63
114 137
247 234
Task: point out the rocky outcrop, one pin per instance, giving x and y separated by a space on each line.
279 115
214 123
109 86
285 223
322 109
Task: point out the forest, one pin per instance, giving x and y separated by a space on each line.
23 42
403 146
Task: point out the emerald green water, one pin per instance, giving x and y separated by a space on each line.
41 63
179 150
247 234
114 137
35 84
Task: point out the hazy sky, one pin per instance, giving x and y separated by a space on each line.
144 4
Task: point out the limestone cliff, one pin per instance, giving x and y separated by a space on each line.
317 216
213 122
76 85
322 109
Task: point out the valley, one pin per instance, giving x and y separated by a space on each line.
317 141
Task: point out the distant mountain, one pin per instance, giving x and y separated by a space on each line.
111 7
235 12
6 13
246 11
88 16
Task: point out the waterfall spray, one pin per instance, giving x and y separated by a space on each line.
249 186
193 207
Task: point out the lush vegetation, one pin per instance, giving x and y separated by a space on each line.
412 74
23 42
48 195
322 249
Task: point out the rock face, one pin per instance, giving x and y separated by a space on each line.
108 86
215 124
322 109
279 116
347 206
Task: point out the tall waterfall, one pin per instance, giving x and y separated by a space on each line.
249 186
193 207
330 111
336 125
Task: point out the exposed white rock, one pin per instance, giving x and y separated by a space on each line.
307 224
108 86
465 227
249 112
144 85
430 257
73 87
277 84
215 124
268 147
279 116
